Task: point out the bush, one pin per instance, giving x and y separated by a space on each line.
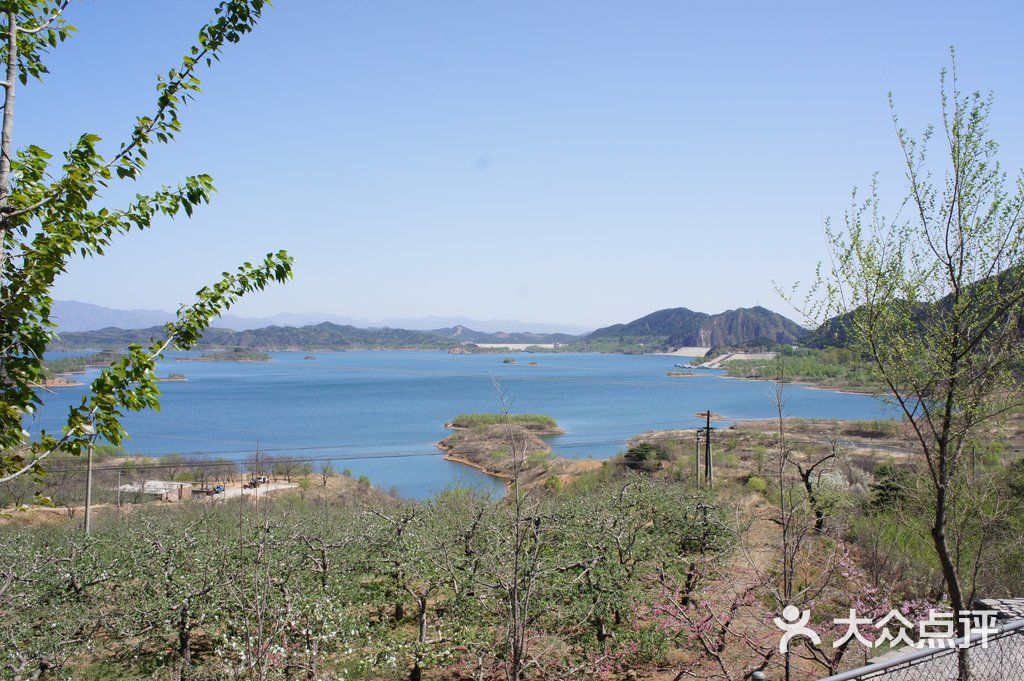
538 460
644 451
643 457
538 421
755 483
890 486
1015 479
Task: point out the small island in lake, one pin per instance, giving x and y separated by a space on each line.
78 365
57 373
171 378
236 355
58 381
484 442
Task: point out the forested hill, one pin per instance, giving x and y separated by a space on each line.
325 336
680 327
462 334
834 332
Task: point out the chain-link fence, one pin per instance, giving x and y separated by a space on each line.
1002 658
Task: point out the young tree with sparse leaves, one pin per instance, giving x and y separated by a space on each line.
933 300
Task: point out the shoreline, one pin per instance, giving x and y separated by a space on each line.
691 351
454 458
219 359
485 349
811 386
681 352
50 383
585 464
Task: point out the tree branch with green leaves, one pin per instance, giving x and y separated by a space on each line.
52 212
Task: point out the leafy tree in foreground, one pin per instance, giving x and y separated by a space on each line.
50 212
934 298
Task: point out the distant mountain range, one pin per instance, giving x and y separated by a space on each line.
72 315
662 330
323 336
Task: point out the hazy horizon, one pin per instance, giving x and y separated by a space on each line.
579 163
76 315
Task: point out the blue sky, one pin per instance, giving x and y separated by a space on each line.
582 162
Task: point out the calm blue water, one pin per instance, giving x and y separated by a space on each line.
393 406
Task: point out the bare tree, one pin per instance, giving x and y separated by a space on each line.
326 471
800 528
514 570
811 472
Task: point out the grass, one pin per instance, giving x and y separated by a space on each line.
834 368
531 421
875 428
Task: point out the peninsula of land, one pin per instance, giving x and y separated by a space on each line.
494 444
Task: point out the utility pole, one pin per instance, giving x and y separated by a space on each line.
119 492
707 432
696 460
88 492
708 466
256 487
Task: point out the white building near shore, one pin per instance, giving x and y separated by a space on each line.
165 490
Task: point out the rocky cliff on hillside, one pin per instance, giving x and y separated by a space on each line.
681 327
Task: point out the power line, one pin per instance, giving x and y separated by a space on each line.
326 457
239 462
611 439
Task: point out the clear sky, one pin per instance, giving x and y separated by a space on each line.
576 161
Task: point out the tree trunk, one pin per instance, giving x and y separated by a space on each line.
422 617
949 575
8 124
184 642
600 629
325 568
416 674
819 515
